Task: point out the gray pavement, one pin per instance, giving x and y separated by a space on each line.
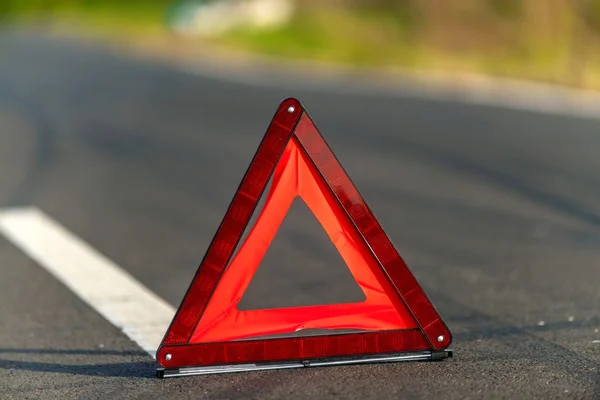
497 212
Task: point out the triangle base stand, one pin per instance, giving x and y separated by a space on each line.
372 359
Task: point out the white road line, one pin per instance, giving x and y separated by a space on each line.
107 288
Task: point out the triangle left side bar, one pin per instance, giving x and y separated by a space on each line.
234 223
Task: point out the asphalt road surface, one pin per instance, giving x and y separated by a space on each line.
496 211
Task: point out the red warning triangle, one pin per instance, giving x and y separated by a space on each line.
209 334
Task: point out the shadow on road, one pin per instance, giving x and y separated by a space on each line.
143 370
74 352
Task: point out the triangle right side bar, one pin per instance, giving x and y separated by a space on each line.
405 283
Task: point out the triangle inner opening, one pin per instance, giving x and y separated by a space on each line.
301 267
251 294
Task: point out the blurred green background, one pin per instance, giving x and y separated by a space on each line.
554 41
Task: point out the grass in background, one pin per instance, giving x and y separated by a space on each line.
333 35
545 40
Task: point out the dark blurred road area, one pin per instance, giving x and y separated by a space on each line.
496 211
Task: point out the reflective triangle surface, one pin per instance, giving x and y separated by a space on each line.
210 328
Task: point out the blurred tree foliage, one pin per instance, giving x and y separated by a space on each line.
25 8
19 6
